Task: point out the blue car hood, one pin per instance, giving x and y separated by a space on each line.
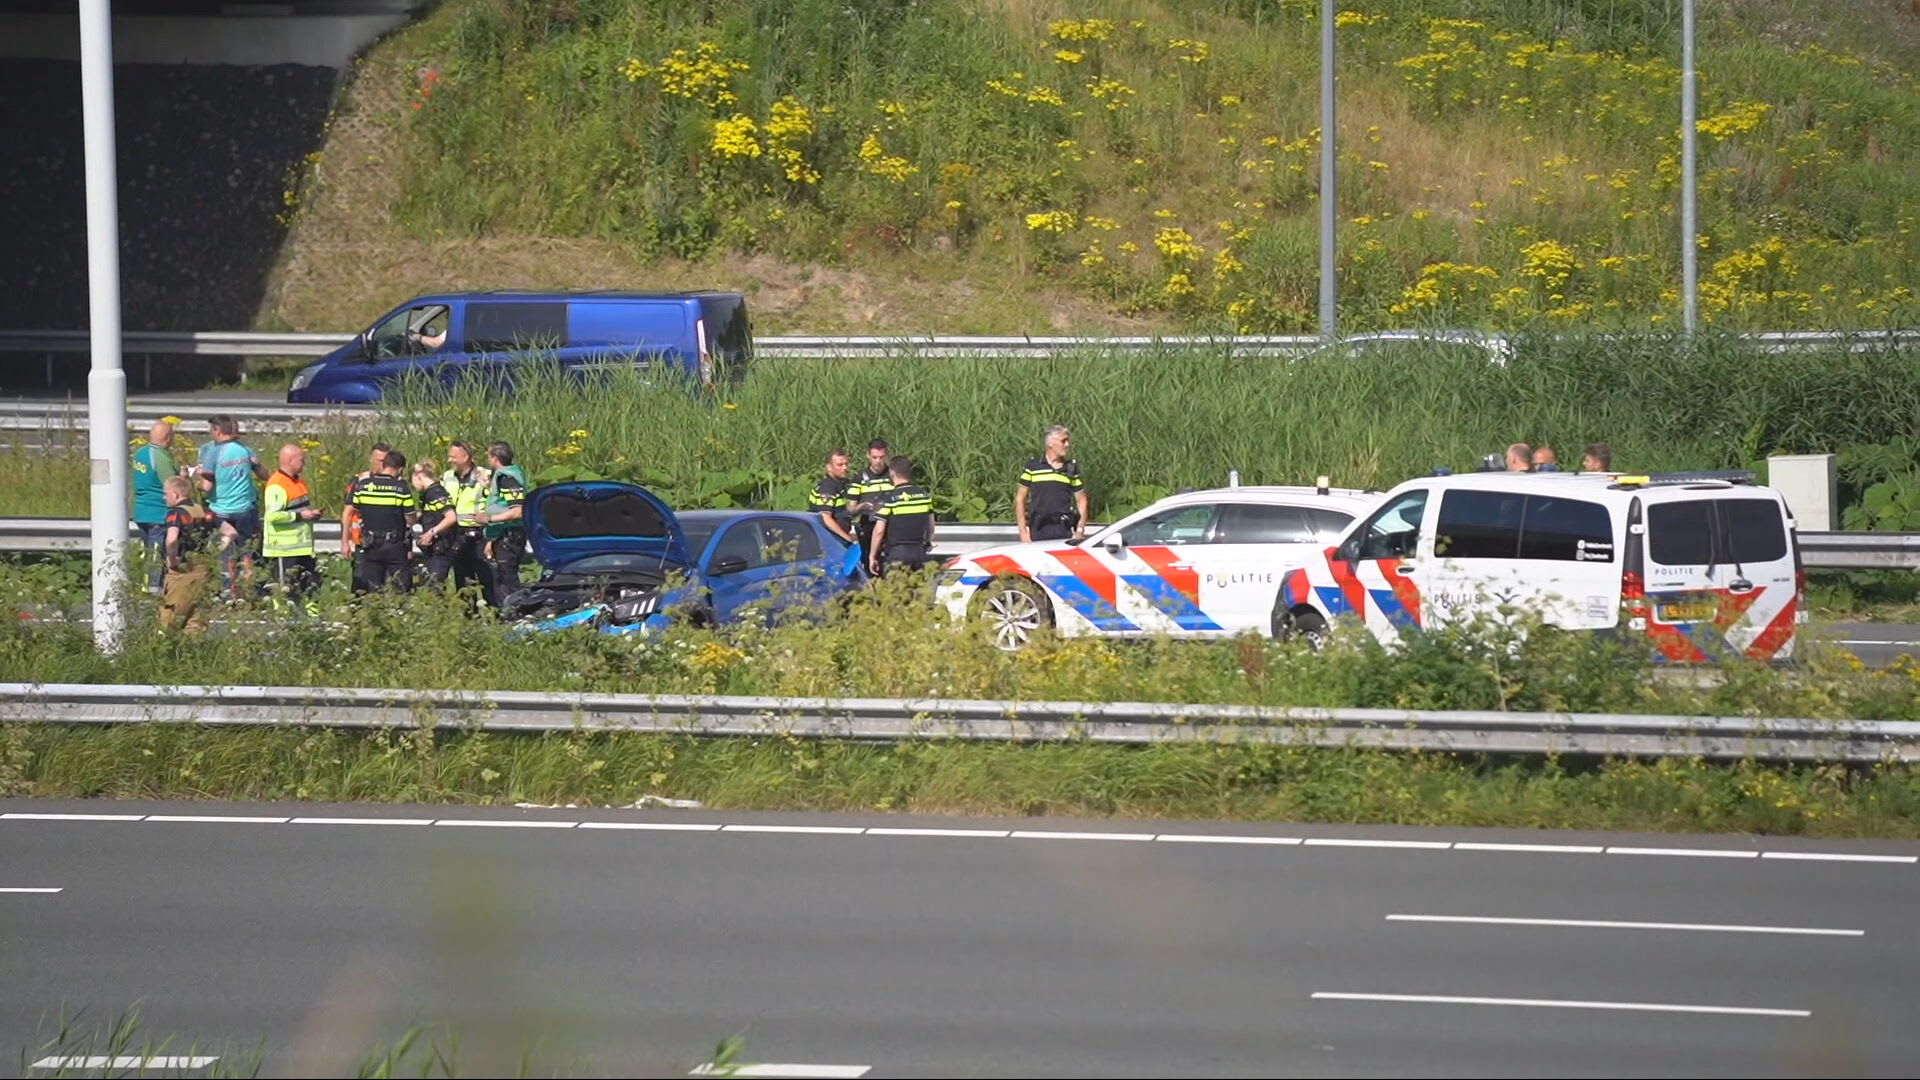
571 521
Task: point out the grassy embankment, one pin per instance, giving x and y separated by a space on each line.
973 167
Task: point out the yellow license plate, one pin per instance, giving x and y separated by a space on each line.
1694 611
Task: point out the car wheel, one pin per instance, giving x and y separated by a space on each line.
1014 608
1300 624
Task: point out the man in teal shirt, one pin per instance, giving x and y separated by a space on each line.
506 537
227 471
152 464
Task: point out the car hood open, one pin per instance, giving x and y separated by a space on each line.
571 521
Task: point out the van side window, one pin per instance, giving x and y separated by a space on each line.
1329 524
1569 530
510 327
1681 533
1479 525
1246 523
1753 530
1394 531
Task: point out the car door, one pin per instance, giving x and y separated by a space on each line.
1241 565
1381 571
797 576
1147 569
1720 577
737 573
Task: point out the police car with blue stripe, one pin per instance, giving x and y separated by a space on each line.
1197 564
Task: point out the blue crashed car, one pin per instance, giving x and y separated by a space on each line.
615 557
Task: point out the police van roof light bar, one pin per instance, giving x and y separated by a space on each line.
1724 476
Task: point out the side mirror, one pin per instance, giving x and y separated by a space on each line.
1349 551
732 564
1114 544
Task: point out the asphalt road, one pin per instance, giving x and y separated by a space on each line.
1067 951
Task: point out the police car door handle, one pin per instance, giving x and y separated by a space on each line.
1179 566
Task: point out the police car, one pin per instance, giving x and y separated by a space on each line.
1704 565
1198 564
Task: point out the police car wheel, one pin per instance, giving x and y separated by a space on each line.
1015 609
1308 626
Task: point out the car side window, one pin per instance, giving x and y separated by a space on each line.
1252 523
1328 524
1178 525
1394 530
1567 530
788 541
1479 525
740 541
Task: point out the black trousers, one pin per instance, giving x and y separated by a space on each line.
458 554
903 558
382 566
500 574
297 576
1051 528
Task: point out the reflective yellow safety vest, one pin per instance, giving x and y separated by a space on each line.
283 532
469 495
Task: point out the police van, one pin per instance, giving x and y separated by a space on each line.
1197 564
1703 565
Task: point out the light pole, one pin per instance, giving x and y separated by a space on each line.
1329 196
106 381
1689 193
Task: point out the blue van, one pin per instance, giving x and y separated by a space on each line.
702 335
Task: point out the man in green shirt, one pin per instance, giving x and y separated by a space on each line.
152 464
506 537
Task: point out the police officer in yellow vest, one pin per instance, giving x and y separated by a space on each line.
460 552
864 493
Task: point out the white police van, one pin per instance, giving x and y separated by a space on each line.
1704 565
1197 564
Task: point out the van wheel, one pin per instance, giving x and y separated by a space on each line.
1300 624
1014 608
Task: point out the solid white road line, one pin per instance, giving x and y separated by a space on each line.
132 1061
768 1071
1195 838
651 826
489 823
1552 1003
1036 834
1335 841
1693 853
1612 924
992 833
1543 849
822 830
218 819
73 817
1835 856
23 889
362 821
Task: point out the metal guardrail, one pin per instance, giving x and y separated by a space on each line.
914 719
246 343
1819 551
55 535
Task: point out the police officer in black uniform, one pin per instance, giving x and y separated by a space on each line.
829 498
864 494
1051 500
903 529
385 505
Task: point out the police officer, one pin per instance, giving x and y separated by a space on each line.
384 505
829 498
1050 502
435 526
506 538
903 529
350 519
459 552
865 492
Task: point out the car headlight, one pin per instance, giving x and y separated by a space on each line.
305 378
634 610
